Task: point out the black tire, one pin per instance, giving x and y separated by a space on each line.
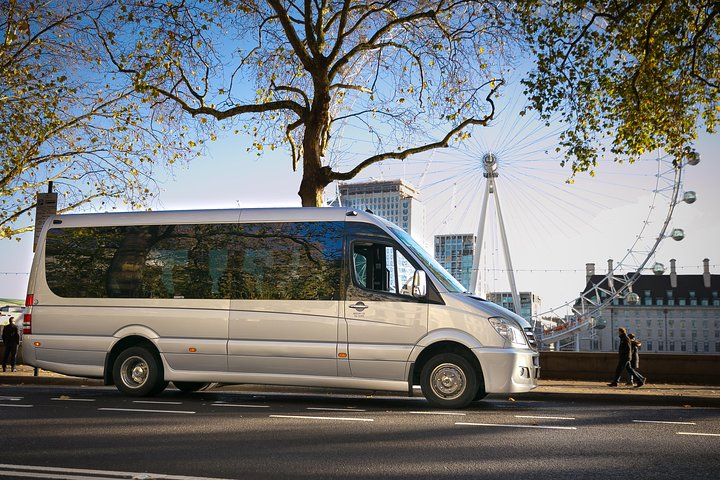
137 372
449 380
481 393
189 387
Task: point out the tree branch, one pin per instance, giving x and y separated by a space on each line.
401 155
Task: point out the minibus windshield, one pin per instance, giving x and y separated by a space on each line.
448 281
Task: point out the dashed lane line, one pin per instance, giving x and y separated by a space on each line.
70 399
340 419
143 410
452 414
544 417
664 422
542 427
157 402
699 434
326 409
238 405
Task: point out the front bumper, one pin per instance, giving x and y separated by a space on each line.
509 370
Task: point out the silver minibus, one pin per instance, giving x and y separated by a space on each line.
315 297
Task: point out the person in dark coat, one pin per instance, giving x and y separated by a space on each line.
624 359
634 356
11 339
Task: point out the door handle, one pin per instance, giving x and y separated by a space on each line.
359 306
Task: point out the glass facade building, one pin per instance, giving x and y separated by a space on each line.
455 253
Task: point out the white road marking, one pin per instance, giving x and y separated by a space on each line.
15 406
156 402
513 426
700 434
32 471
336 409
12 399
342 419
70 399
664 422
456 414
186 412
240 405
543 417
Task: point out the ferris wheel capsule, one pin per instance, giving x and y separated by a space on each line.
658 268
632 298
693 158
677 234
689 197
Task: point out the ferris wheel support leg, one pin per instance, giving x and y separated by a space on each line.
474 283
506 250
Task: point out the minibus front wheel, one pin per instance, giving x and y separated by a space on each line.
138 373
448 380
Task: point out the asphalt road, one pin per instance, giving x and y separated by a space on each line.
94 432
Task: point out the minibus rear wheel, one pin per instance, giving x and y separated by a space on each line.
448 380
138 373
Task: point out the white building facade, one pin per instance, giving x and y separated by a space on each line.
670 314
393 200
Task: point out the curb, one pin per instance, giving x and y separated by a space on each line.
683 401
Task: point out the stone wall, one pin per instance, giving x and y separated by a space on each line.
657 367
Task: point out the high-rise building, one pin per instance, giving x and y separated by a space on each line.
667 313
455 253
394 200
530 304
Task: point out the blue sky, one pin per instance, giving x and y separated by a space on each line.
554 228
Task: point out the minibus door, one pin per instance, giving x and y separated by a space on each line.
384 320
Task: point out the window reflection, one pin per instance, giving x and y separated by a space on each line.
248 261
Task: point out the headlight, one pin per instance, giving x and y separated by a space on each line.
509 330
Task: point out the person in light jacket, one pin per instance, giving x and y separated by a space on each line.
634 356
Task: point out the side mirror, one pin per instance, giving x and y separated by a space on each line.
419 285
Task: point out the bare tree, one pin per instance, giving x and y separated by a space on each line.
408 75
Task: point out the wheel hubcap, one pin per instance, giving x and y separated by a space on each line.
448 381
134 372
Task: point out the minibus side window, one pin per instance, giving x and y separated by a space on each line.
381 268
262 261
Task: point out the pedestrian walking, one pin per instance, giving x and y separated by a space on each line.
624 359
634 356
11 339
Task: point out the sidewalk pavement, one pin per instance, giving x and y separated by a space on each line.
547 390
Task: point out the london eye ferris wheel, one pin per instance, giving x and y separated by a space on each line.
535 225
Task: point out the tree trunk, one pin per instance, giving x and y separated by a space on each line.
315 177
311 189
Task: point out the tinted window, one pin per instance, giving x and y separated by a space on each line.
250 261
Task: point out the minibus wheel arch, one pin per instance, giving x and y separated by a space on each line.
124 344
447 347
